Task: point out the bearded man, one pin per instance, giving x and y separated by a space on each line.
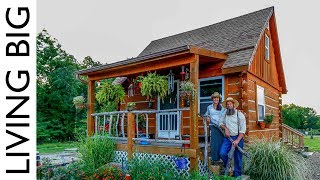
234 124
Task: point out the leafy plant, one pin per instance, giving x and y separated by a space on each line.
146 169
272 160
141 121
108 172
45 171
154 85
268 118
108 92
96 151
72 171
187 89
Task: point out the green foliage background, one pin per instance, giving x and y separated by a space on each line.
300 117
57 85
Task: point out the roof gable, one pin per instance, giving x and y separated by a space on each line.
236 37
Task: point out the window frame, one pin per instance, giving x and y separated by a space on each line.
208 79
259 103
266 48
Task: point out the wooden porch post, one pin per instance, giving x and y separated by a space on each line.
194 139
131 134
90 119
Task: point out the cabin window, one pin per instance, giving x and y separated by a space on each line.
266 42
261 103
207 86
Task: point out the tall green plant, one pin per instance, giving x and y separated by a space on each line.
146 169
272 160
96 151
154 85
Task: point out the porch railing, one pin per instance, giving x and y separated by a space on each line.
292 137
110 122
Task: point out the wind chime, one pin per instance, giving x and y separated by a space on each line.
187 76
170 82
131 89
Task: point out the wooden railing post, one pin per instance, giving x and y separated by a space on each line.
194 136
131 134
90 119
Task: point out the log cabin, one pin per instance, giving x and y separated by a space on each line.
239 58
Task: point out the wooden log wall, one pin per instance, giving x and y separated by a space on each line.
272 105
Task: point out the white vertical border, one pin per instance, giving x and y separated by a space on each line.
15 64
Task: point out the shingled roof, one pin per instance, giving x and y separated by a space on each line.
236 37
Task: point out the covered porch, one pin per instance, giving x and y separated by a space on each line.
171 126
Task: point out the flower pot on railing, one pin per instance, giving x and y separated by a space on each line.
181 162
142 142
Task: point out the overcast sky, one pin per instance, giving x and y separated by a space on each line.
111 31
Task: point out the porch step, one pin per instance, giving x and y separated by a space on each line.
215 169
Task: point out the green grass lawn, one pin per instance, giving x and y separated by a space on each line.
313 144
55 147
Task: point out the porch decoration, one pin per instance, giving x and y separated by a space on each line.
79 102
182 73
187 89
170 82
181 161
130 90
268 120
154 85
109 92
187 76
131 106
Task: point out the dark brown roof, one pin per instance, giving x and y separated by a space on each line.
236 37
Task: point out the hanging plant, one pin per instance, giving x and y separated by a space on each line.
154 85
79 102
187 89
108 92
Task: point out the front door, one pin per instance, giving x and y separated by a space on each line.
167 123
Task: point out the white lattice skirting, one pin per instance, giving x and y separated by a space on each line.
122 157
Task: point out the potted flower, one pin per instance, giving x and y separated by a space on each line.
154 85
79 102
131 106
181 161
187 90
262 124
268 120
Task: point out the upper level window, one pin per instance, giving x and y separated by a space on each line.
261 103
266 43
207 86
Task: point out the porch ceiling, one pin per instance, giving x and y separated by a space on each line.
181 55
